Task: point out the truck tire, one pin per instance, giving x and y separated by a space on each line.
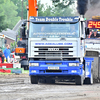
24 64
25 67
89 80
34 79
79 80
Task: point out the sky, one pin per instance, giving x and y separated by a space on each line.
49 2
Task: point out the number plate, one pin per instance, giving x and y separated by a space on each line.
53 68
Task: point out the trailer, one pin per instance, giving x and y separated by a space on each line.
92 44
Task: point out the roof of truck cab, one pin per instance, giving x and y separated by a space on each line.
54 19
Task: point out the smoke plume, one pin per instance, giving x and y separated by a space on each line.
82 6
93 9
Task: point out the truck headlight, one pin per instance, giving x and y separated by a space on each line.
33 64
73 64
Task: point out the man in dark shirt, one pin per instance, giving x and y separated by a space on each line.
95 34
21 43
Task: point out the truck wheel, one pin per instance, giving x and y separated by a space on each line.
79 80
34 79
89 80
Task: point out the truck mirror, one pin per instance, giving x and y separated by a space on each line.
86 31
24 24
22 32
27 32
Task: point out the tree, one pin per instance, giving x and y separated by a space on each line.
13 45
3 25
40 9
64 12
10 13
58 8
64 8
63 4
21 4
44 10
54 10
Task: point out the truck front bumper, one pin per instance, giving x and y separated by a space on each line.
56 70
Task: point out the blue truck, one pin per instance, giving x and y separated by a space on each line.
56 50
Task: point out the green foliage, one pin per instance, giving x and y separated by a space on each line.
63 4
13 45
3 24
21 4
64 8
10 13
64 12
59 10
44 12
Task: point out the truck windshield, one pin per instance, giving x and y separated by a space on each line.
66 30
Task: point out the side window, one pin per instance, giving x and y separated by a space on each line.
94 33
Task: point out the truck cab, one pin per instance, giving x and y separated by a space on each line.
56 49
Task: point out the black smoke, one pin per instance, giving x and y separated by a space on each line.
82 6
94 2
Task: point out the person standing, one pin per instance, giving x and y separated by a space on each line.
1 56
7 52
19 43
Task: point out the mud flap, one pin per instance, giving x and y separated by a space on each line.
89 80
88 70
95 64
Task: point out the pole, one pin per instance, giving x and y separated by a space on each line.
22 10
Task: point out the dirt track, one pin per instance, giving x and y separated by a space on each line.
18 87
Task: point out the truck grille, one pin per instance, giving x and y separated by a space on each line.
53 52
